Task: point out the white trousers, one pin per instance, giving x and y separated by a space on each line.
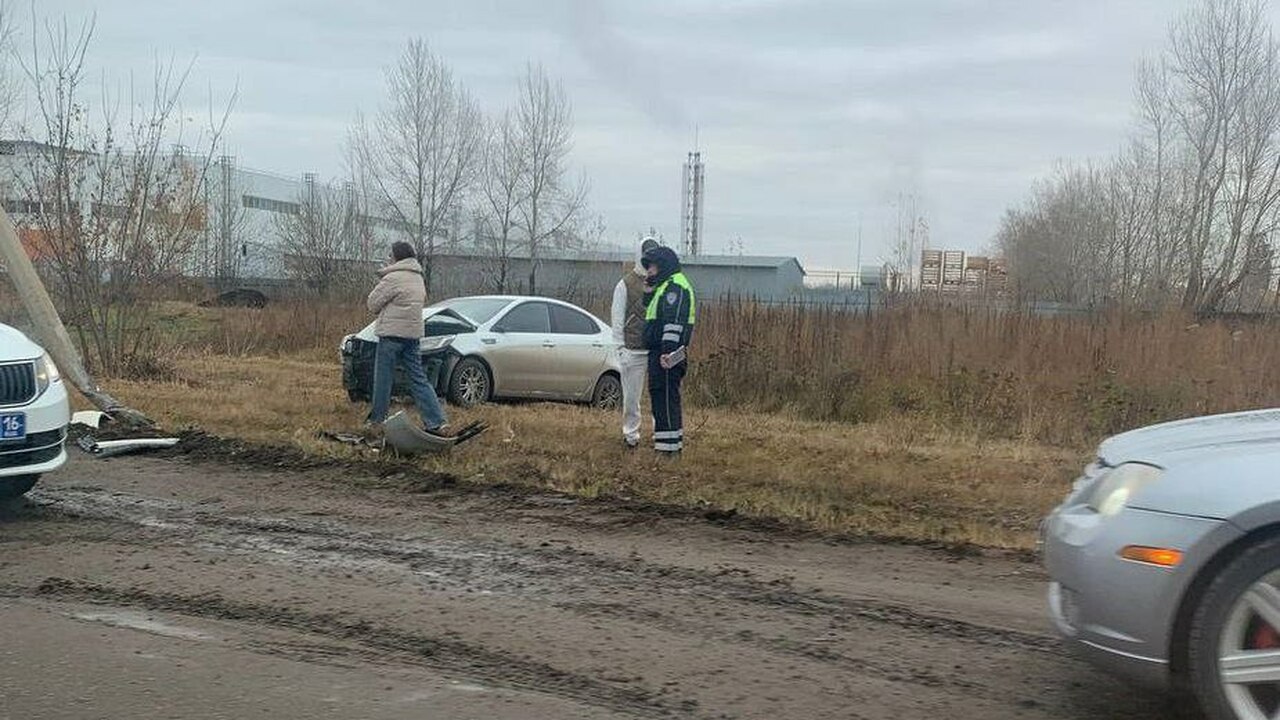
634 364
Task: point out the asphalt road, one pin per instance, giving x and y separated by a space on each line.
156 588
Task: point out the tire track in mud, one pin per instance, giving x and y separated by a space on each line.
779 596
441 654
505 568
722 609
786 646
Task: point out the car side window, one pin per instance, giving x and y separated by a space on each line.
530 317
567 321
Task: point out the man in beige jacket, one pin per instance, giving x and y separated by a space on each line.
397 300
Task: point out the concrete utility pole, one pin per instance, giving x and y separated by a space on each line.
49 329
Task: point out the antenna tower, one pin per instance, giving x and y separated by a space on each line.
693 182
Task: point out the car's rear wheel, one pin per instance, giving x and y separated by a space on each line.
470 384
608 393
16 486
1234 645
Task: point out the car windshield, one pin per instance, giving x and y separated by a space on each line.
477 310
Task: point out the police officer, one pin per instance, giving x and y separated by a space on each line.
669 318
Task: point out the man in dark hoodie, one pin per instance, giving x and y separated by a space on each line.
397 301
671 311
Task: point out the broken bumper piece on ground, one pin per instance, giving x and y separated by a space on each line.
109 448
94 420
406 438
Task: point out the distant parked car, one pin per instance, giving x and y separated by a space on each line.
34 414
478 349
1165 560
239 297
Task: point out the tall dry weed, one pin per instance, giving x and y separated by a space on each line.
1065 380
996 374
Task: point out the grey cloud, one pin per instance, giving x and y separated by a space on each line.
622 63
813 112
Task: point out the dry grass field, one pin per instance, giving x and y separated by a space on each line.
894 478
921 423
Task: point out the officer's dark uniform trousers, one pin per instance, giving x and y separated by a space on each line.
669 319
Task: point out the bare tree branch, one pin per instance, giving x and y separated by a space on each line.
422 150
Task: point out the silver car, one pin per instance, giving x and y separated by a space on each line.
1165 560
477 349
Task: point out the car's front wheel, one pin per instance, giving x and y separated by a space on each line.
608 393
1234 646
470 384
16 486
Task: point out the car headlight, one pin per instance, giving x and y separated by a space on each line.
1119 485
46 374
435 343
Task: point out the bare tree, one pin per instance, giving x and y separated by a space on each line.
1052 242
1157 149
365 199
111 206
503 199
10 74
544 125
911 234
422 148
320 239
1187 212
1224 58
221 255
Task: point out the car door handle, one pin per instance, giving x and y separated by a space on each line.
548 344
489 341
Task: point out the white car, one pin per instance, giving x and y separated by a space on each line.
34 414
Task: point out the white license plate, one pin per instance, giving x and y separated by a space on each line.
13 426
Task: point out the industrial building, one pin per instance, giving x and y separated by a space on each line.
238 242
578 275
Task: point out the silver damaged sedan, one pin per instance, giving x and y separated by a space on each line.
1165 560
477 349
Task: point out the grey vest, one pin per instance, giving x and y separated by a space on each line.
633 327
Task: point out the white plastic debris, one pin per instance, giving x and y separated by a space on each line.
109 448
89 418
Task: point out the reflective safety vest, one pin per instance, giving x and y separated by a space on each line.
678 279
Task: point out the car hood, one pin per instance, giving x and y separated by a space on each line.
367 332
16 346
1161 444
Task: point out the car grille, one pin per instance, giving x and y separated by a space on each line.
31 457
34 441
17 383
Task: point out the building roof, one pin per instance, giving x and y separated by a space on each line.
731 261
28 147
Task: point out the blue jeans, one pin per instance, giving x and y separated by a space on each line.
392 350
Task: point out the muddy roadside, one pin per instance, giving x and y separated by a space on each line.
587 604
386 470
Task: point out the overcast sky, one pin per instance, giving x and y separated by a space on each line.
812 113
